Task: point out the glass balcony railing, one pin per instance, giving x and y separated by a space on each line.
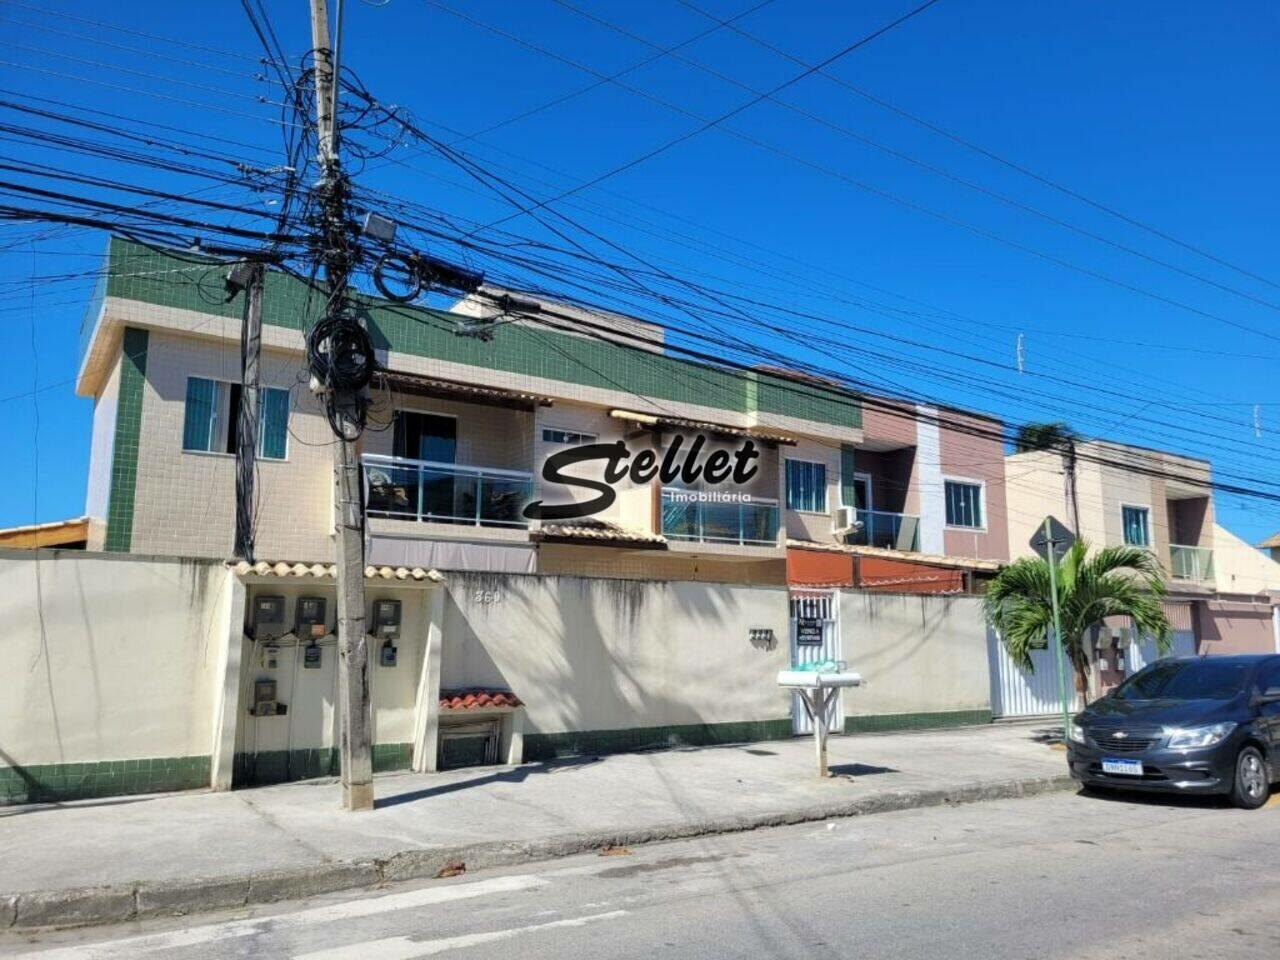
1190 563
403 489
892 531
749 523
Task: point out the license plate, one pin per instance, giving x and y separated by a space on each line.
1125 768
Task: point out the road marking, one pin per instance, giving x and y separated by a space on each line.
347 910
404 948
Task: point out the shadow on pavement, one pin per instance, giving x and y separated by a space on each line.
509 775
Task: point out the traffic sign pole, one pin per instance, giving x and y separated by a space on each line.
1052 559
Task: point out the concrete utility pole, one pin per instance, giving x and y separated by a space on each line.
249 277
353 647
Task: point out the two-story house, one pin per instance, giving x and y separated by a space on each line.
1221 590
460 429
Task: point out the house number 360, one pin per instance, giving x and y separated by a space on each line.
488 596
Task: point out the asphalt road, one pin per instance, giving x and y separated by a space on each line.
1051 877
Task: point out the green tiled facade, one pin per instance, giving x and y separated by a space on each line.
548 746
890 722
139 273
282 766
124 450
60 782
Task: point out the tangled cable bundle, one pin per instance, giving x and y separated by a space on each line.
340 358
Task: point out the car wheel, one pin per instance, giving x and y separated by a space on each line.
1251 787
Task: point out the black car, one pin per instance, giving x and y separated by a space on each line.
1192 725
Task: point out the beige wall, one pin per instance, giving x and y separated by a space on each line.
918 654
311 694
98 482
1239 567
488 436
614 654
805 525
1036 486
106 657
567 560
185 501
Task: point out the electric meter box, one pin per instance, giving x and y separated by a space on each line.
311 656
309 620
267 622
386 619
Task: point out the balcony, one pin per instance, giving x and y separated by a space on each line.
749 523
401 489
891 531
1191 563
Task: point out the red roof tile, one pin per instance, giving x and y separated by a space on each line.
472 699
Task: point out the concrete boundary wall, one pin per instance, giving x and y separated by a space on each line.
107 685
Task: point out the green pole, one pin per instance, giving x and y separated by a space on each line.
1057 628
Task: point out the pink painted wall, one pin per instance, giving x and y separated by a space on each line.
1231 629
976 458
881 426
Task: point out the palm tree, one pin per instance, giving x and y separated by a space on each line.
1111 582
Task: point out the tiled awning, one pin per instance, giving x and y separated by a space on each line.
932 559
597 532
705 426
478 699
469 392
265 568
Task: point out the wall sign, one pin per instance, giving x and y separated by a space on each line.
717 468
809 631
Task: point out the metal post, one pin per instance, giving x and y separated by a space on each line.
1057 628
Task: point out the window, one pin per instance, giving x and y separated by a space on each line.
553 435
806 486
211 421
964 504
1137 526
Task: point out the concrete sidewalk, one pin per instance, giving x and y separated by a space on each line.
100 861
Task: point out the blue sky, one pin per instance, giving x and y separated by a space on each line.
1161 111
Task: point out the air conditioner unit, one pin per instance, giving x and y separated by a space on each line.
844 520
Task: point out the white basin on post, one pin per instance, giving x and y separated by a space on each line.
818 688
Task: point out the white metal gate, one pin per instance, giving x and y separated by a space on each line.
1143 651
1018 693
808 606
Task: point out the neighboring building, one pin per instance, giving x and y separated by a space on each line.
63 534
463 426
1221 590
1272 546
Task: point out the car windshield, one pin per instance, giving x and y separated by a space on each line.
1185 680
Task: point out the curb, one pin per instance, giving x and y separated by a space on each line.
137 901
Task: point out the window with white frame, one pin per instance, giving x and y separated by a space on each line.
211 420
964 504
1136 522
807 486
556 435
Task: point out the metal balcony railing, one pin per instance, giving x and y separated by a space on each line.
1190 563
749 523
404 489
892 531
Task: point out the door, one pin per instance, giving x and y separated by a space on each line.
815 636
433 439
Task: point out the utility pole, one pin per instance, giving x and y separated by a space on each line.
353 648
1073 498
248 276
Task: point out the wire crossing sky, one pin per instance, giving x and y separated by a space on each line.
1089 176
